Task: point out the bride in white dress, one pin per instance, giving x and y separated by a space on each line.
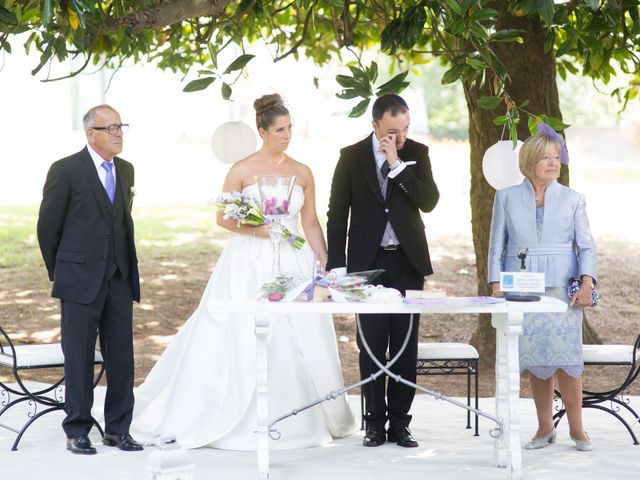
202 389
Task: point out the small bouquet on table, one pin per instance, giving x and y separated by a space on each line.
353 287
245 211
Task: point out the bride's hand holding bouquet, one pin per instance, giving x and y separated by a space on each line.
245 211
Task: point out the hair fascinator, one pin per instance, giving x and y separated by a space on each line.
546 131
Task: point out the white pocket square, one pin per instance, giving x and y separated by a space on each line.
411 162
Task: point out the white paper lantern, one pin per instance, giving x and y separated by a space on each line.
232 141
500 165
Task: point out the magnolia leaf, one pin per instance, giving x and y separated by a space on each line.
489 103
513 134
7 17
395 85
451 75
507 35
455 6
475 63
532 123
346 81
360 108
500 120
47 12
546 11
226 91
239 63
484 14
199 84
555 123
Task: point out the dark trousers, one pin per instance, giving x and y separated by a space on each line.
110 314
387 332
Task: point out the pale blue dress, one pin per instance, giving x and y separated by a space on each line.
550 341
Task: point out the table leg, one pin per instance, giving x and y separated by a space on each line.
507 448
262 390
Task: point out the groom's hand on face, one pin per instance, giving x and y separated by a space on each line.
388 146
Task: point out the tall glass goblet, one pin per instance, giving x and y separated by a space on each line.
275 196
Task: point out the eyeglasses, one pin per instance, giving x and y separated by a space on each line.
113 129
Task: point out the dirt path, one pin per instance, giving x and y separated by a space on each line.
173 284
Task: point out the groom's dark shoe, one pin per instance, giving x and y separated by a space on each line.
374 437
80 445
123 442
402 436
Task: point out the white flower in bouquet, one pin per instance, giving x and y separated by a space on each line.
244 210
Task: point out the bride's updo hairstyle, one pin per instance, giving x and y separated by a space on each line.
268 108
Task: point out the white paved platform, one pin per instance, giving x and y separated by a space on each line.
447 451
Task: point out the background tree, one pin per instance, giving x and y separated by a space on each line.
505 53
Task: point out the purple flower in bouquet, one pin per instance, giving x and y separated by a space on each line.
245 211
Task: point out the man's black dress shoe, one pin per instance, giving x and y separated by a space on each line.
80 445
123 442
374 437
402 436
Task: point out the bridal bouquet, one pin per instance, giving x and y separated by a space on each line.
244 210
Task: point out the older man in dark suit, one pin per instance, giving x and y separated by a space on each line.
379 187
86 237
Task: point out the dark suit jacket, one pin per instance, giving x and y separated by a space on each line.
74 224
356 201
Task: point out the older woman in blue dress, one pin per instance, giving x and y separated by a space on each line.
551 221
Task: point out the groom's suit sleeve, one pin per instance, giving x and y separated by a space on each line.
338 214
418 184
52 213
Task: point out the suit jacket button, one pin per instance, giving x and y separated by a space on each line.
386 210
106 235
104 258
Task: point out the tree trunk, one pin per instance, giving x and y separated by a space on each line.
532 76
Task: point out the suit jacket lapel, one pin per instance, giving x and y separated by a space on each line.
122 189
368 163
96 185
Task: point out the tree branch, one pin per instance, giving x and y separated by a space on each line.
303 35
172 11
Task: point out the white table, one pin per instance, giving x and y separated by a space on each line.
506 319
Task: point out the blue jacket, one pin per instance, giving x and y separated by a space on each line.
566 247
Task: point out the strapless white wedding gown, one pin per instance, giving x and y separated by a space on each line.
202 389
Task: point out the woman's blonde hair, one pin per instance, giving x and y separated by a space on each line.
532 150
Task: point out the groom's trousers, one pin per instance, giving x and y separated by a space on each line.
386 332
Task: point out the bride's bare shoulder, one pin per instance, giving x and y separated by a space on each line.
305 176
243 169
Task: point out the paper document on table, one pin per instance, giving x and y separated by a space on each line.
454 301
433 293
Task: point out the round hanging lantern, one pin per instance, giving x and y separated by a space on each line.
500 165
233 141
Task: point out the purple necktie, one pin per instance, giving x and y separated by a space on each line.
110 182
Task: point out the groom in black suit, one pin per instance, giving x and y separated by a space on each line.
379 186
85 232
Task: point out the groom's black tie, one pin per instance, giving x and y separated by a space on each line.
384 169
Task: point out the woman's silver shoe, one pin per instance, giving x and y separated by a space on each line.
583 445
542 442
